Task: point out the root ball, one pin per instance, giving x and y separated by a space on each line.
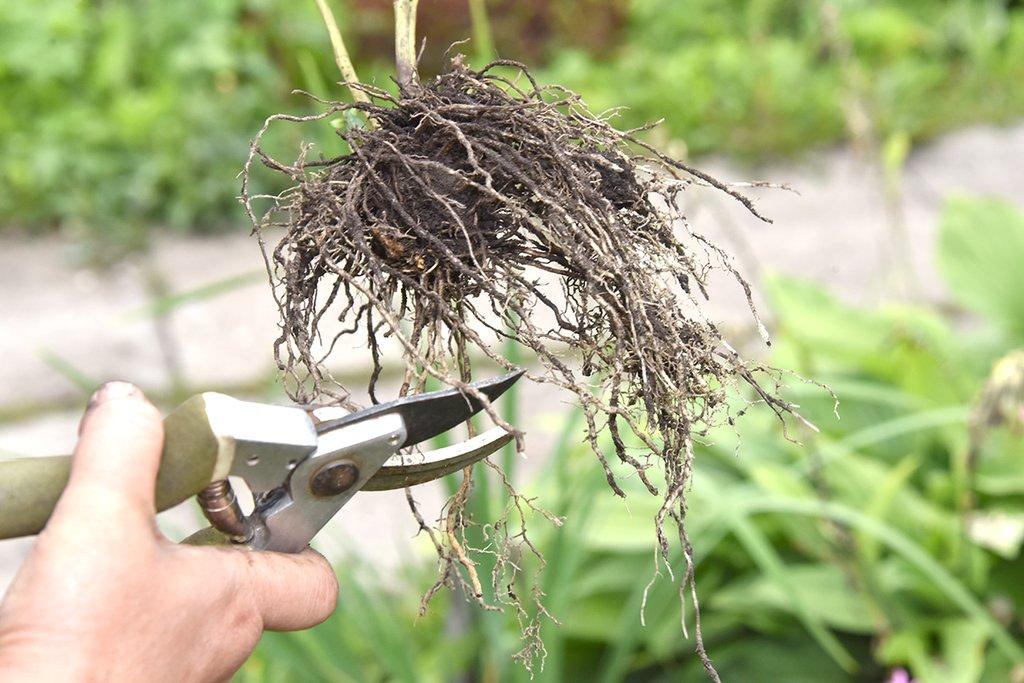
481 206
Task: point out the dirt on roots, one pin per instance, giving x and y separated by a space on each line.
480 207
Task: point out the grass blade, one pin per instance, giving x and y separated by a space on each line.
761 551
82 381
901 426
902 545
165 304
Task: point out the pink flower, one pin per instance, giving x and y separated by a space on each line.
900 676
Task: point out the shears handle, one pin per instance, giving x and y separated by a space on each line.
192 458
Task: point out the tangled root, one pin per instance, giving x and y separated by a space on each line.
481 207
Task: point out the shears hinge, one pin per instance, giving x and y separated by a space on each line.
320 485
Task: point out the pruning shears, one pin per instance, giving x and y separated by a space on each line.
302 465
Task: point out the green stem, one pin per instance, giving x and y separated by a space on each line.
483 41
341 58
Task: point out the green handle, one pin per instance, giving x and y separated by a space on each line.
207 536
30 487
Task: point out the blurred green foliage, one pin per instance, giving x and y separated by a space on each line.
875 545
120 118
763 77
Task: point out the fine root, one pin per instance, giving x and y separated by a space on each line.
480 207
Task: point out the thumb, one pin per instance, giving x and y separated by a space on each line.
291 592
118 453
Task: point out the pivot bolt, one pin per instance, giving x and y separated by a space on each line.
334 478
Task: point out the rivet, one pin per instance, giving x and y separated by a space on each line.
334 478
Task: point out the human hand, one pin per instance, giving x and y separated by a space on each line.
103 595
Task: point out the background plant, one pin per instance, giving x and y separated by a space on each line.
874 546
121 119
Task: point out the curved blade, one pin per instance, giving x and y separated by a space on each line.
439 463
427 415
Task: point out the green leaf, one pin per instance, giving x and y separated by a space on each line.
963 649
823 588
911 424
887 491
757 658
1001 465
617 532
817 320
962 646
953 588
761 551
980 252
596 617
910 348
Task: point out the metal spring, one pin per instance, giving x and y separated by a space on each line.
221 507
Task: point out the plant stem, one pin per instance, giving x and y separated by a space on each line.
405 43
341 58
482 39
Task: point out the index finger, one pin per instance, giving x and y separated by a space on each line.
118 453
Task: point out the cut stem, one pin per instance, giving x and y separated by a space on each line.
341 58
405 43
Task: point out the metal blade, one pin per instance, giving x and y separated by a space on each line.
439 463
427 415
